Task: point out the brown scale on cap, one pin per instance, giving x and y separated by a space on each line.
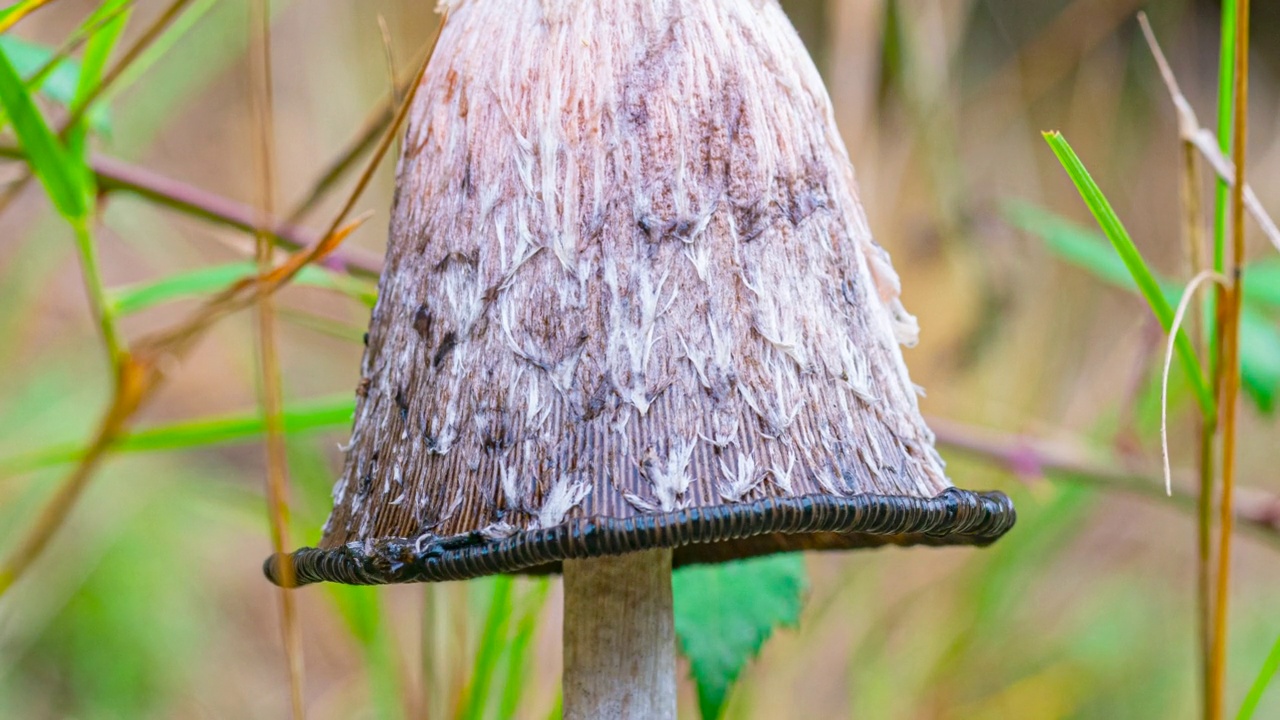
630 299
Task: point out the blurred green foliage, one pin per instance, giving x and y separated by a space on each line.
151 604
1260 322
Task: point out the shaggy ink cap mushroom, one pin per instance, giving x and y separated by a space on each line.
630 301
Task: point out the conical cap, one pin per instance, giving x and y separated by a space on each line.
630 300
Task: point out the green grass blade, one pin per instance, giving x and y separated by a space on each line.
62 177
493 638
518 657
175 33
1221 190
361 608
1137 267
1226 103
1270 667
87 248
1111 227
322 414
142 296
99 46
57 76
93 64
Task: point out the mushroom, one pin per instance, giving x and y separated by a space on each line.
632 317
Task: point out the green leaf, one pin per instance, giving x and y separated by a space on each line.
724 613
1259 337
96 52
1270 667
322 414
59 81
59 84
1090 251
1137 267
1259 359
1077 245
94 63
62 177
136 298
1262 282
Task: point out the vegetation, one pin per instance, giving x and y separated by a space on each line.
172 331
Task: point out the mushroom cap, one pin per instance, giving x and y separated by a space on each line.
630 301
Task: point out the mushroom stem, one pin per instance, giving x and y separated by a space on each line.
619 637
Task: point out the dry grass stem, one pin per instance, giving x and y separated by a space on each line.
370 130
272 391
388 55
1198 256
1206 141
388 138
1187 295
1229 308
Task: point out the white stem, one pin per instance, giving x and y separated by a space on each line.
619 637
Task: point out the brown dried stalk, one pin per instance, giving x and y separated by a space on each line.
370 130
1229 333
1205 141
272 391
1205 427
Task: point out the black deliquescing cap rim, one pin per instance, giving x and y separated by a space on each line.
698 535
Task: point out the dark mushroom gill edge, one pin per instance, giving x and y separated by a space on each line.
699 535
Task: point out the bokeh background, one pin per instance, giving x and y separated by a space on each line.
150 603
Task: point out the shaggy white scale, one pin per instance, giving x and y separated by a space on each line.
629 278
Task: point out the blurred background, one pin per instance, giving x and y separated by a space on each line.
150 603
